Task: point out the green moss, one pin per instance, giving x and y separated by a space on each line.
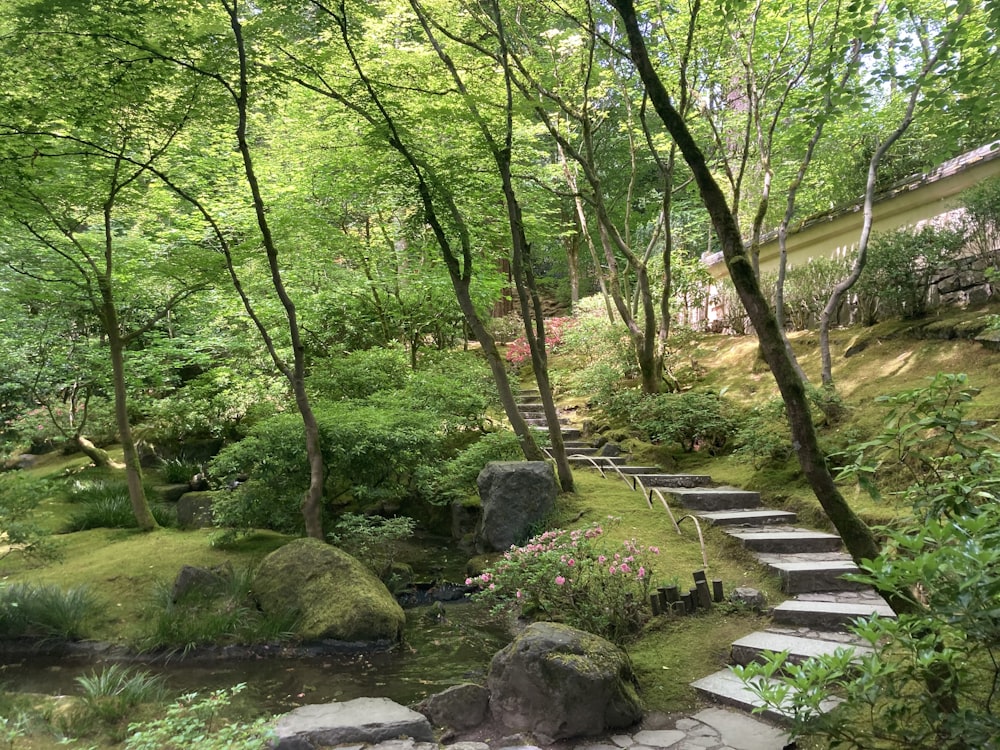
335 595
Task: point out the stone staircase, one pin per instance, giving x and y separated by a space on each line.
810 565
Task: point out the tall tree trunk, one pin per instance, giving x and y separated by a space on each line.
312 503
133 472
858 538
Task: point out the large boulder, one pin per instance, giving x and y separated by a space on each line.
557 682
515 496
194 509
335 595
459 707
364 720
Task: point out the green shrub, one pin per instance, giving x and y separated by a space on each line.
20 495
763 438
372 539
454 480
900 268
371 455
193 723
982 222
359 374
732 316
808 287
45 611
695 420
574 578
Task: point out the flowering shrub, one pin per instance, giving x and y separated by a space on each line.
570 577
518 351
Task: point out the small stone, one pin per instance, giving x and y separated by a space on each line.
623 740
468 746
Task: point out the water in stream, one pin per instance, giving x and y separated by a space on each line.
437 653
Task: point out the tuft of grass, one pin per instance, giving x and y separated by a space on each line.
109 696
222 616
46 611
106 504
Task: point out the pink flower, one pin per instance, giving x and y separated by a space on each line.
518 594
560 580
624 568
612 570
602 559
642 572
655 550
571 562
468 581
492 586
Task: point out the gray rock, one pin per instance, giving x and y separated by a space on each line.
560 682
459 707
191 578
515 496
748 597
335 595
369 720
194 510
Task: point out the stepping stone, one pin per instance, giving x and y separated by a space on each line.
717 498
570 433
830 615
588 450
738 730
752 647
787 540
822 575
671 480
726 688
749 517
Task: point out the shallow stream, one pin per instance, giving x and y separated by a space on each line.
439 651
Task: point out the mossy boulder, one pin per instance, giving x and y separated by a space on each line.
336 596
560 682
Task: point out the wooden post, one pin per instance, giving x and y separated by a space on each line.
654 603
704 595
672 594
688 600
717 593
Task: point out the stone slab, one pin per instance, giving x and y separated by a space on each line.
753 646
658 737
793 540
726 688
671 480
833 615
717 498
742 732
822 575
748 517
369 720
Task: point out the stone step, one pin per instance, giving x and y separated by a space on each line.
753 647
670 480
716 498
571 433
799 577
726 688
829 615
749 518
786 540
585 450
577 444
